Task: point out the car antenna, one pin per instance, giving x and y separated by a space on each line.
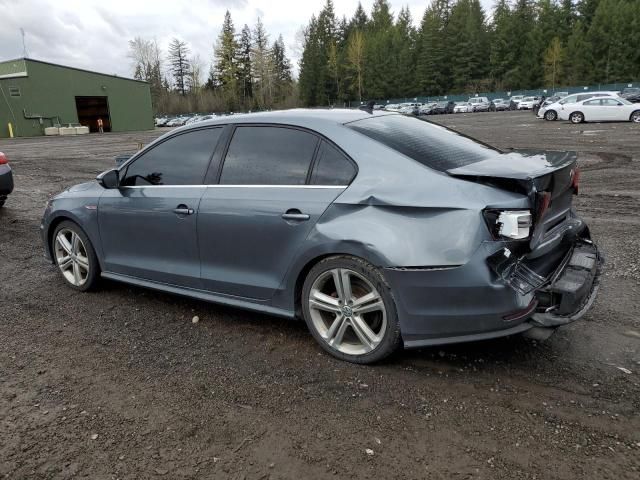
368 107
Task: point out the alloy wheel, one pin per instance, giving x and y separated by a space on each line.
576 117
71 257
347 311
635 117
550 115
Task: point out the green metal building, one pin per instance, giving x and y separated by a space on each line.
36 94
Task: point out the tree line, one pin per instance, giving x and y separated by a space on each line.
457 48
247 72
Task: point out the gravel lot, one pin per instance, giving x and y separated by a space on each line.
121 384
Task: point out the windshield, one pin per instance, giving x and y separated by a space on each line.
431 145
569 99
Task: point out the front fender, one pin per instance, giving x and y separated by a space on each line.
85 215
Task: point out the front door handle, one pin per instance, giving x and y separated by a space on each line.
183 210
295 215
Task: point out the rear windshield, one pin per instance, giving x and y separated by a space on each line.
430 144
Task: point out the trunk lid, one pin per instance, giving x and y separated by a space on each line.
549 180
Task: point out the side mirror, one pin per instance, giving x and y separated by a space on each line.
109 179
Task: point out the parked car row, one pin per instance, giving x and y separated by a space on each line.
180 120
593 107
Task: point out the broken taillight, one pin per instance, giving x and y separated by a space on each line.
3 159
509 224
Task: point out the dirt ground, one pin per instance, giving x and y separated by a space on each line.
121 384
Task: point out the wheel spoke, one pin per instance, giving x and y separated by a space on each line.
335 325
364 332
368 303
64 243
337 330
83 263
342 280
320 301
77 276
75 242
65 262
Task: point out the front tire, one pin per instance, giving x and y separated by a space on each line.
635 117
551 115
576 117
75 257
349 310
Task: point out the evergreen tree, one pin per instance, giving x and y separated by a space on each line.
179 63
432 66
403 48
500 55
224 75
245 80
468 55
281 70
380 72
262 67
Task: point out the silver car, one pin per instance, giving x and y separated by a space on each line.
380 230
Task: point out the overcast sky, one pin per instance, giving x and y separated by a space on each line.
94 34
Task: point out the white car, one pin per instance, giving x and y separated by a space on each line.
480 104
527 103
516 99
463 107
550 112
601 109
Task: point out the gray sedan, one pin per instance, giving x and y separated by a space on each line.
379 229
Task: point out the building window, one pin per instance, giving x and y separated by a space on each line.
14 91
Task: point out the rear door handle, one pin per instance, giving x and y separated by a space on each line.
295 215
183 210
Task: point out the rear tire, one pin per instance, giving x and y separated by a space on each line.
350 311
75 257
635 117
550 115
2 201
576 117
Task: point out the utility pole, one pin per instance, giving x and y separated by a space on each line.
25 53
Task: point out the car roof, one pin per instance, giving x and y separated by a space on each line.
307 117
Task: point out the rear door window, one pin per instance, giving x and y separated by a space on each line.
179 160
266 155
432 145
332 167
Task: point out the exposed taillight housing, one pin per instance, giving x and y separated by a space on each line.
509 224
3 159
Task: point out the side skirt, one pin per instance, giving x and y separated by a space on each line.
427 342
200 295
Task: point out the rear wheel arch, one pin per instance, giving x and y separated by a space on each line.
384 336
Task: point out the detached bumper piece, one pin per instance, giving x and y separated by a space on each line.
572 289
514 272
563 296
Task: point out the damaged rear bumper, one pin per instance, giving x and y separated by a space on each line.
498 293
563 295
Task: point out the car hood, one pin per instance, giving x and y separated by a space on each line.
92 188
